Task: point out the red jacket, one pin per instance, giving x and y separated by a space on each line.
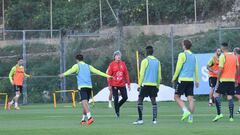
119 71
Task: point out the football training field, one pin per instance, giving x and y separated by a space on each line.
44 120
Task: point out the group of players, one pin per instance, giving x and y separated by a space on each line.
223 77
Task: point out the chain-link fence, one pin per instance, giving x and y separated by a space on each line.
229 35
41 55
11 49
46 57
97 49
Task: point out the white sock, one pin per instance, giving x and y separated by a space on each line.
239 108
88 115
16 104
110 103
184 109
83 117
210 101
11 102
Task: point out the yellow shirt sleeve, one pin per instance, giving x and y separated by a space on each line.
26 75
72 70
143 67
98 72
196 71
210 62
221 60
159 75
11 74
180 62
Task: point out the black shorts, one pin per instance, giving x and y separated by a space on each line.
85 93
226 88
184 87
148 91
17 88
212 81
237 90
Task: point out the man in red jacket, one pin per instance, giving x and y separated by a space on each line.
118 70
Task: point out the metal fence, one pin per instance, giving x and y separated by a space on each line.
38 50
97 49
46 57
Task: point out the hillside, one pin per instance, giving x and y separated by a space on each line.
84 16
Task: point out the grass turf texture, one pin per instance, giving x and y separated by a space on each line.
44 120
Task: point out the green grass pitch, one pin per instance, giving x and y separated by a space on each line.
44 120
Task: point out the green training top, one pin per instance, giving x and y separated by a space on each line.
13 71
180 62
143 68
75 69
211 62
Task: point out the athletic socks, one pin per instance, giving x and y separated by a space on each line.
140 109
190 118
89 115
239 108
11 102
218 105
184 109
83 117
154 111
231 107
210 101
109 104
16 104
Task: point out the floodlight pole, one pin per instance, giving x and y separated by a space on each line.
100 13
147 11
195 10
51 21
3 19
25 101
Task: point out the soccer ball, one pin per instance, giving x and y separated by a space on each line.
46 96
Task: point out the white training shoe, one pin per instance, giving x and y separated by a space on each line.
138 122
17 108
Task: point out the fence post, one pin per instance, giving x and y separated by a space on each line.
3 19
147 11
25 101
100 14
120 30
63 62
172 50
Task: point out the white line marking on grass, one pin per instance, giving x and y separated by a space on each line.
53 116
67 106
